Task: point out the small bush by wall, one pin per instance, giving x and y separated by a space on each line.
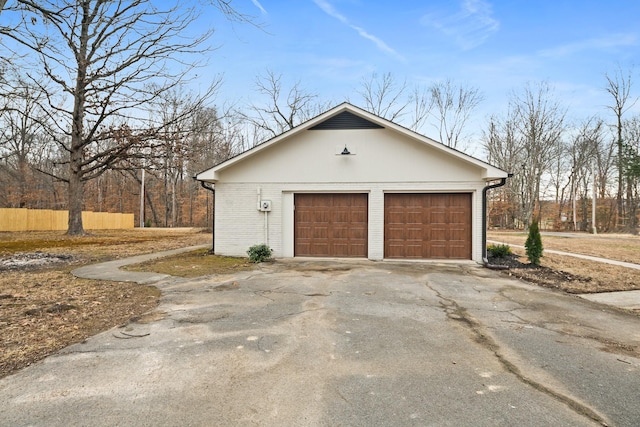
259 253
499 251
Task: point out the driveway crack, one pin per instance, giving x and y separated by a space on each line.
297 313
460 314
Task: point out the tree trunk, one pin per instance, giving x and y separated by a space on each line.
632 209
620 219
174 214
22 182
154 214
76 184
76 189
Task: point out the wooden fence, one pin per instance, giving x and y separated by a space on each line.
16 219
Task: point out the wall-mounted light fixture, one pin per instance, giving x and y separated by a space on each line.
346 150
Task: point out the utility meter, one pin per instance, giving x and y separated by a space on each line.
265 205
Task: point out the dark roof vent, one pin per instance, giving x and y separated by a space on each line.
346 120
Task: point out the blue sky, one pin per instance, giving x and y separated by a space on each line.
496 46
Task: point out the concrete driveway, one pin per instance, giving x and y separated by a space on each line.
351 343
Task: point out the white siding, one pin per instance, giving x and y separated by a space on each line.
381 156
239 224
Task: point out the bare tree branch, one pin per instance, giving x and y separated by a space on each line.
283 109
453 106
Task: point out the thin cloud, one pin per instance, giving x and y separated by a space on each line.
331 11
259 6
470 27
602 43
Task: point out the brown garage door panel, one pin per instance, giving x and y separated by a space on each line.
427 226
331 225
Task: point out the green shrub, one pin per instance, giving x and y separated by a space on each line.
499 251
533 245
259 253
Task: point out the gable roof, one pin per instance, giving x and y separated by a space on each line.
348 116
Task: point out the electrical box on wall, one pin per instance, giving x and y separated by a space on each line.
264 206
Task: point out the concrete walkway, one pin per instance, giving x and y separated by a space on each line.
110 270
629 300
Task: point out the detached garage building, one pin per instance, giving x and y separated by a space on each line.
350 184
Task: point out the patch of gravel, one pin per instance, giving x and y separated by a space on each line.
22 260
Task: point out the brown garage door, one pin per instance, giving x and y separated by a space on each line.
427 226
332 225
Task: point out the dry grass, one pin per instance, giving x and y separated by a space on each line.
619 247
583 276
45 309
194 264
102 245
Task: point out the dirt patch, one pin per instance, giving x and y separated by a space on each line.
22 261
44 308
575 275
543 275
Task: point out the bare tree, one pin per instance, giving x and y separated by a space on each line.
504 149
527 143
102 57
283 108
449 104
175 113
580 155
384 96
23 129
453 105
559 172
540 122
420 106
619 88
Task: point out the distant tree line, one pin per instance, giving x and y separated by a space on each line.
93 93
565 163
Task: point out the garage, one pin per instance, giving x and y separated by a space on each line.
331 225
348 183
427 226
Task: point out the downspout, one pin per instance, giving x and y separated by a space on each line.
485 260
213 213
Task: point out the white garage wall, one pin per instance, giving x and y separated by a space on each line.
240 225
381 155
